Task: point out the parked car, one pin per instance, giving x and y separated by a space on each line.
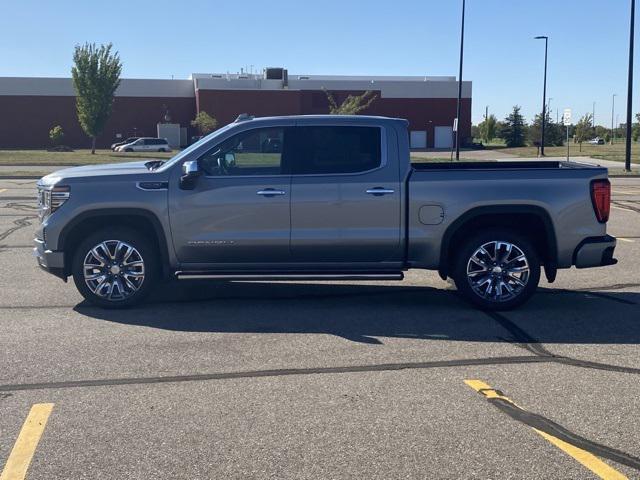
596 141
146 144
339 200
123 142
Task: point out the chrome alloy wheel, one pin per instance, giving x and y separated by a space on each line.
113 270
498 271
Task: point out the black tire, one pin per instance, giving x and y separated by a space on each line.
145 251
128 149
500 275
162 150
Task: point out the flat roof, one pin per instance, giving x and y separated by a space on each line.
388 86
63 87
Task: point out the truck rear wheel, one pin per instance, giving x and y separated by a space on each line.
496 269
115 268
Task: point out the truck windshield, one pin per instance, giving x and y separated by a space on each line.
194 146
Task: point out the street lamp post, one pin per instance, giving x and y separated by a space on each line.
613 109
457 133
544 92
627 153
593 114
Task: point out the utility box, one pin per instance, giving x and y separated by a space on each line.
170 131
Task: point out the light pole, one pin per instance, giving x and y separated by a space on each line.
613 109
593 114
460 84
627 152
544 91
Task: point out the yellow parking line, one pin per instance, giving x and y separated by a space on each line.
3 190
25 446
590 461
587 459
624 192
622 239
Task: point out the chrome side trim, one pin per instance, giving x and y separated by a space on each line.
380 191
269 192
152 186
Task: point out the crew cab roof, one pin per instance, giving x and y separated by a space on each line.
333 119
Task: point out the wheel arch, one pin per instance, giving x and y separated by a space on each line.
528 220
136 218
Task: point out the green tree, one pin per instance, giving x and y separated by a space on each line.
636 128
514 129
96 76
554 133
601 131
204 122
488 128
584 129
56 134
352 105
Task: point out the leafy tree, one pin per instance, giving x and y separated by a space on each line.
56 134
475 131
601 131
584 129
488 128
352 105
96 76
636 128
514 129
554 133
204 122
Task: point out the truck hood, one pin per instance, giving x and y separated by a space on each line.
96 171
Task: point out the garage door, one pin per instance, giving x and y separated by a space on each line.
443 137
418 139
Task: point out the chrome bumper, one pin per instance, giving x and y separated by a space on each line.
595 252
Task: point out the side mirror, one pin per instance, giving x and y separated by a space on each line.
190 172
230 160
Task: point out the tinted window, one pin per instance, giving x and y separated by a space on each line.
327 150
254 152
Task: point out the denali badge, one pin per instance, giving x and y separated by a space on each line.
204 243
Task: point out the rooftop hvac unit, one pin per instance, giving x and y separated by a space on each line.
274 73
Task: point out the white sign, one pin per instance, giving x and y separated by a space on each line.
455 124
566 117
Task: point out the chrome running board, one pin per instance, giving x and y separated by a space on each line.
200 275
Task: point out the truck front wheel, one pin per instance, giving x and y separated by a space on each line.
115 268
496 269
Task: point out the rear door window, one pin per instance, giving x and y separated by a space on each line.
329 150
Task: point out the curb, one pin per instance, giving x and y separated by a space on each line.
21 177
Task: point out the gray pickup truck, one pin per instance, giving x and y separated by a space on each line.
320 197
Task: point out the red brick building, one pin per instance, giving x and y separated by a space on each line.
30 107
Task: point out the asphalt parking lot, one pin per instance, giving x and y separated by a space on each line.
321 380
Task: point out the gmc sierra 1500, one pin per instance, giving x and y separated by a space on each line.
320 197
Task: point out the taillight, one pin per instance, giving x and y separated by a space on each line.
601 199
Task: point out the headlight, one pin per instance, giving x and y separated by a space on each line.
51 199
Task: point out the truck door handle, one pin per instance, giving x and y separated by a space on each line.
268 192
380 191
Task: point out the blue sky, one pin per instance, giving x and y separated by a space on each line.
160 39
